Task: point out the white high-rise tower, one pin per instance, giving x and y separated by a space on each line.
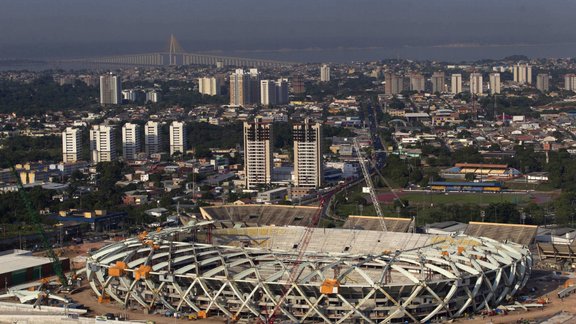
177 137
110 90
495 83
130 141
152 140
102 143
71 145
476 83
324 73
456 83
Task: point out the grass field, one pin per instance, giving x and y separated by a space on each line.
423 198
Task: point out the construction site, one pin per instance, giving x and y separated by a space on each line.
274 263
243 267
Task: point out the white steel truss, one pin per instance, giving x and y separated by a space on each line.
447 277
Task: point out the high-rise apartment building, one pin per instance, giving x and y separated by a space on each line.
71 145
177 137
130 141
543 82
110 90
522 73
102 143
476 83
394 84
297 85
417 82
267 92
456 83
438 82
254 86
570 82
152 96
282 91
209 86
240 88
494 83
324 73
274 92
152 140
257 153
308 163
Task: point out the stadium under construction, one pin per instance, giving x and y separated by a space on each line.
246 262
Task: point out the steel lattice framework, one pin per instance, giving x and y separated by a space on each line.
437 276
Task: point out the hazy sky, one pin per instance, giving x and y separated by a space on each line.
36 28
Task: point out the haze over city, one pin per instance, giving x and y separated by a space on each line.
262 161
301 31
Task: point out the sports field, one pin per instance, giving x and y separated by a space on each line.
426 198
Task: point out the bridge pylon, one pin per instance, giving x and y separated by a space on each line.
174 48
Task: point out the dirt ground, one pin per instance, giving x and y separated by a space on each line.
548 286
87 297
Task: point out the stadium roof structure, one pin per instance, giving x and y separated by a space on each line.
464 184
344 274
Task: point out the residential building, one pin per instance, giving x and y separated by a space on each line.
254 86
71 145
274 92
130 141
297 85
438 82
152 96
282 91
476 83
494 83
177 137
543 82
152 140
522 73
102 143
570 82
394 84
257 153
324 73
308 163
417 82
110 90
268 92
240 88
456 83
209 86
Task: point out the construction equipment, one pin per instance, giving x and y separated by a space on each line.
143 272
118 269
329 286
35 219
370 185
294 273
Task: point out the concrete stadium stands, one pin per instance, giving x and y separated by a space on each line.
517 233
330 240
393 224
557 251
259 215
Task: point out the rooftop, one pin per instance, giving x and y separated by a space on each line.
14 260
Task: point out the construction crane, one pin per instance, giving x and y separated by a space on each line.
35 219
294 272
370 185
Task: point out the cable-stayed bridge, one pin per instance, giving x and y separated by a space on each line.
175 55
